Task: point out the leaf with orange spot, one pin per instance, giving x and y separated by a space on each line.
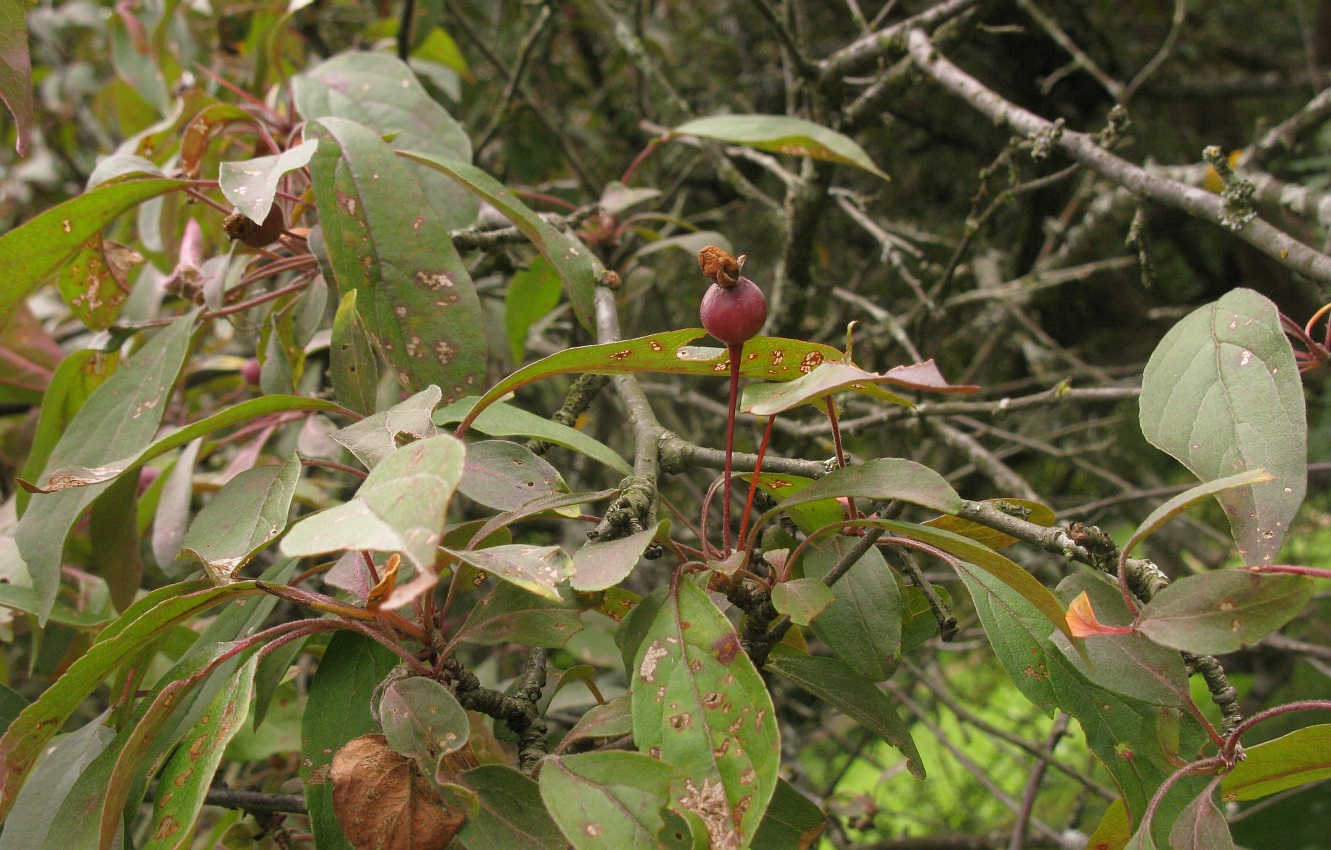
188 775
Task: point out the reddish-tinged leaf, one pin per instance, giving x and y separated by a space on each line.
510 614
29 357
598 566
16 71
202 128
505 475
538 569
1083 623
141 625
1223 611
1201 826
832 377
769 358
423 720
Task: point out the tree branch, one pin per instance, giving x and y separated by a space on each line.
1271 241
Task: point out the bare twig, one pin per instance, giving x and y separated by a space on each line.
1271 241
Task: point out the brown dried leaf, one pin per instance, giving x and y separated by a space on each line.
384 803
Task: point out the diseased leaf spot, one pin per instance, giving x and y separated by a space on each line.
726 647
621 355
650 658
593 829
680 721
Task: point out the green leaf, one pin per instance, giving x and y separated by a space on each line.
505 476
918 623
353 367
509 614
139 627
119 418
974 555
38 805
337 710
242 518
1223 611
1113 831
16 73
781 134
573 260
188 776
400 507
598 566
22 598
31 253
531 294
251 185
376 437
73 476
1032 512
93 281
879 479
1221 393
612 720
1201 826
380 92
802 599
1122 733
832 377
412 289
538 569
768 358
502 420
114 535
808 517
1301 757
511 813
792 821
11 705
850 693
72 382
700 704
422 720
1180 503
613 800
1129 665
863 623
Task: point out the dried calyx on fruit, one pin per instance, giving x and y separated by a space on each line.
733 308
239 226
